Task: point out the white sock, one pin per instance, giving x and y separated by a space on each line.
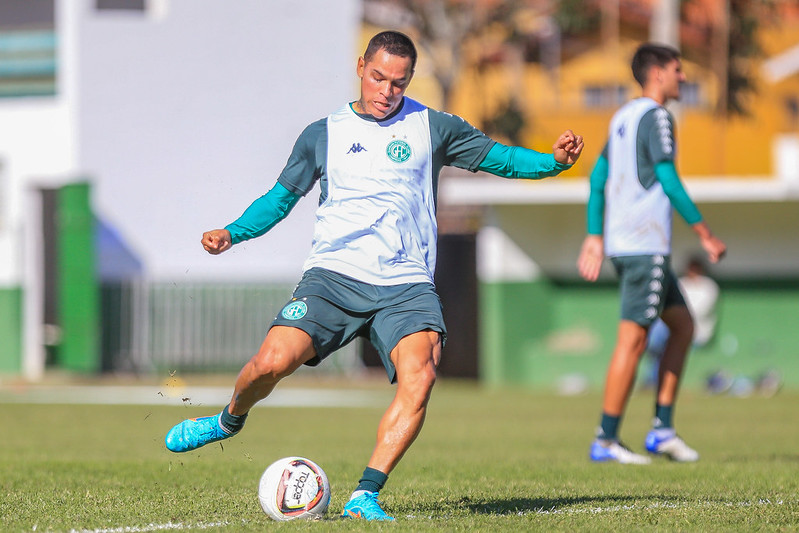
665 433
358 493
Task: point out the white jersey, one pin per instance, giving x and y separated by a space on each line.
638 214
378 222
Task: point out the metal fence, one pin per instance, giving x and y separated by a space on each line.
198 327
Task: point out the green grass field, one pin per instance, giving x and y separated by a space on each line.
487 460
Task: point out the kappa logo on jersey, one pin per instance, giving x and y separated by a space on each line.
294 310
398 151
356 148
620 131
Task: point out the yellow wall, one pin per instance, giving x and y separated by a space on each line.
708 145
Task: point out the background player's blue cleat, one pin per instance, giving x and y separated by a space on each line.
365 507
194 433
666 442
614 451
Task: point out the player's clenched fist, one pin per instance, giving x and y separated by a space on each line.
216 241
567 148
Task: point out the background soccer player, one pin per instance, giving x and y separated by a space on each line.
633 188
372 261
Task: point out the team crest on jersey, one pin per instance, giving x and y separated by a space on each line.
398 151
294 310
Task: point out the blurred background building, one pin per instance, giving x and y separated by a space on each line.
128 127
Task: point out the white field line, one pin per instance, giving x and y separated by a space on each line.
169 526
190 396
652 506
152 527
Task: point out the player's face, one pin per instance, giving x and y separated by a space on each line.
671 78
384 79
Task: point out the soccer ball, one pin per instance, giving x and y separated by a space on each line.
294 487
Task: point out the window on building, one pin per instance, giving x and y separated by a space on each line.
27 48
613 96
791 106
604 96
121 5
690 96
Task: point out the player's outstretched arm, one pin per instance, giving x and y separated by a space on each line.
523 163
591 256
216 241
567 148
713 246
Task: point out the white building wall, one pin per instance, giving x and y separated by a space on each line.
761 238
35 149
180 117
545 223
186 116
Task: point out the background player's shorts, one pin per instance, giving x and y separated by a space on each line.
648 286
334 309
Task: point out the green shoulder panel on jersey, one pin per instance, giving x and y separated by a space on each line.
655 142
456 142
306 163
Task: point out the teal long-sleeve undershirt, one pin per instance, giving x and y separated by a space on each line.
518 162
665 173
263 214
505 161
595 210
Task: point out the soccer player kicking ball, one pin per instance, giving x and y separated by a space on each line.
633 188
370 270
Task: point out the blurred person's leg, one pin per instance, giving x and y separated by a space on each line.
681 327
630 346
663 438
656 344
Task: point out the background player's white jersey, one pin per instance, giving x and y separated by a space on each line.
637 211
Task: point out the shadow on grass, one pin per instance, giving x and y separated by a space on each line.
540 505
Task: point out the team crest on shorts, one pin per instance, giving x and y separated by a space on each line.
294 310
398 151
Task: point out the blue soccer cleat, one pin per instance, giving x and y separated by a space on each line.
666 442
613 451
194 433
365 507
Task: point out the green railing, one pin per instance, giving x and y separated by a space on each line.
197 327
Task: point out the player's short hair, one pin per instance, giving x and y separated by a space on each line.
393 42
649 55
